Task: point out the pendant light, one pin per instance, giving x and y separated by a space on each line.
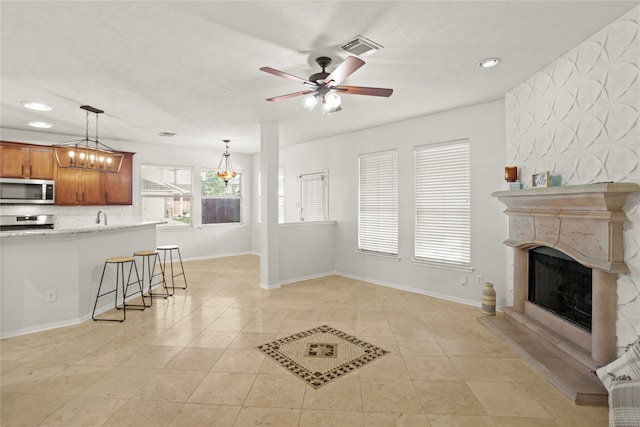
226 172
88 154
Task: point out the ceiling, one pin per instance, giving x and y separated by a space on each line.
191 68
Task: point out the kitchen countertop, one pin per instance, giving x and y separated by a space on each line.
61 232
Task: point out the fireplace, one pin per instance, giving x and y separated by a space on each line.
585 224
561 285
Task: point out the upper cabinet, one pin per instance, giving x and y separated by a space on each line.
117 187
77 186
26 161
74 186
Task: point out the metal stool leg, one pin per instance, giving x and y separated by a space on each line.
184 276
129 283
156 261
99 295
170 249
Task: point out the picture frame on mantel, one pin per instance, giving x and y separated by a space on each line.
542 179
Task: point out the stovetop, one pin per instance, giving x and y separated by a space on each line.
25 222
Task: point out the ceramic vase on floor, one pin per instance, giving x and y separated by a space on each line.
488 300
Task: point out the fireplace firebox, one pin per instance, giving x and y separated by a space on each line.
560 284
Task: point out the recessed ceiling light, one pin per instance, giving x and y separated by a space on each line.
489 62
38 106
40 125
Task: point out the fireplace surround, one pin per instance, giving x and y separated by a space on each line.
586 223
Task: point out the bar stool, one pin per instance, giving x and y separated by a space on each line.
170 249
151 269
120 262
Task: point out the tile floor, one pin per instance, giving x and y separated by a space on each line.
191 361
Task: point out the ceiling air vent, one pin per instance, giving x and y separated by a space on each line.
167 134
360 46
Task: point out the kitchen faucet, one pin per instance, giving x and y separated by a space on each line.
98 217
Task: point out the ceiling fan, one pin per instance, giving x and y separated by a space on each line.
325 87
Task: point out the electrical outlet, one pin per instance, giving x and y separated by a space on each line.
463 281
478 280
51 296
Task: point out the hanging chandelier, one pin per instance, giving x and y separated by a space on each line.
86 153
227 172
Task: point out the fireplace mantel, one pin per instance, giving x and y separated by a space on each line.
583 221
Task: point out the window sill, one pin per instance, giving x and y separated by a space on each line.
306 223
222 225
444 266
394 258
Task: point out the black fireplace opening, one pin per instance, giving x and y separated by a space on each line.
561 285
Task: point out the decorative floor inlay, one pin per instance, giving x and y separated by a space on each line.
321 354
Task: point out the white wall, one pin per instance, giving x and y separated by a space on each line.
197 242
578 119
484 125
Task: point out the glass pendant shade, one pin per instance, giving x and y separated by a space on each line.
310 101
331 103
226 173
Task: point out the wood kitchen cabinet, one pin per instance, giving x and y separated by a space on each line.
91 187
117 187
77 187
19 160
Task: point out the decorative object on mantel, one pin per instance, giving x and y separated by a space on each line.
227 172
511 173
488 300
511 178
88 154
541 180
511 186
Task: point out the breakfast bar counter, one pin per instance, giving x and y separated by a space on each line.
50 278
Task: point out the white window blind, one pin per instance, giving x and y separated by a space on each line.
443 214
313 195
378 203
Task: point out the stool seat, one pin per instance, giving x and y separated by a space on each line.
144 253
119 259
168 247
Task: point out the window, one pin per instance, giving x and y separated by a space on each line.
378 203
166 194
221 203
313 197
443 214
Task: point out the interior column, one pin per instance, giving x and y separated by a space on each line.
269 235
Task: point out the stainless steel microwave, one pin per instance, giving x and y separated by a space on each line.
27 191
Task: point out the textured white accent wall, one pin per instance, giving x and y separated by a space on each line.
578 119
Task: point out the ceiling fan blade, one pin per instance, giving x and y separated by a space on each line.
361 90
344 70
290 95
286 75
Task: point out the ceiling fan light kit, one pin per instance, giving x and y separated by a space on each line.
326 87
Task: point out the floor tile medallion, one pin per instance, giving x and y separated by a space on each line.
321 354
